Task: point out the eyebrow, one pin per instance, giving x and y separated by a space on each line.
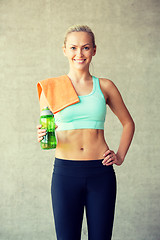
82 45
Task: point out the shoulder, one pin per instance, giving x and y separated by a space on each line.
108 87
106 83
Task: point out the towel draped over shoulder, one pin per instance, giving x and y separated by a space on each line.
59 92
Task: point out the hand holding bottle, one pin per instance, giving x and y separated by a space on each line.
46 131
41 132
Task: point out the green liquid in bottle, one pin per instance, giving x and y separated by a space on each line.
48 123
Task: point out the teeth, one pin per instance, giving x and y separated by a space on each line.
79 61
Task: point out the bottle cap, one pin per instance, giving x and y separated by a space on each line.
45 111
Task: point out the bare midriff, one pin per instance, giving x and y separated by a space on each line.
81 144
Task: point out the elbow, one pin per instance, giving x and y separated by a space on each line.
131 123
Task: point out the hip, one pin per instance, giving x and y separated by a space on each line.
67 167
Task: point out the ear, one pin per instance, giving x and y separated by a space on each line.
64 50
94 51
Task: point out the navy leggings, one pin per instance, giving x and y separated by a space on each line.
83 184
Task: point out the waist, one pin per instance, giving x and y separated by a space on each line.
80 168
80 124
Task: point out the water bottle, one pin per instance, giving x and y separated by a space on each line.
48 123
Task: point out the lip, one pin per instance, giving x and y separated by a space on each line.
80 60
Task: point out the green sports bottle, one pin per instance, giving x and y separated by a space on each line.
47 121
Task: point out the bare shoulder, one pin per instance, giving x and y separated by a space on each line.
106 83
108 87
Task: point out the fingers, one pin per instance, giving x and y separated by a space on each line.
109 158
39 139
107 152
40 132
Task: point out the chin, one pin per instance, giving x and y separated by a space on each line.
80 66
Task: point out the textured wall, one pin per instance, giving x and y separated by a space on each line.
128 43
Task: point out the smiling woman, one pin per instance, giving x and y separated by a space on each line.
83 173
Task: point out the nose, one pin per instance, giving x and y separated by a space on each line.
79 52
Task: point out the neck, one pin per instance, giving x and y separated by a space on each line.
79 75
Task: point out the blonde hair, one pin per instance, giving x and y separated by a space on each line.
80 28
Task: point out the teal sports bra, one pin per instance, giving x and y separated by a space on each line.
89 112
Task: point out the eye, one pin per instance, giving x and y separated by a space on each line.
73 48
86 48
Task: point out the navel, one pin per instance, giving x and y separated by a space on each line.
81 148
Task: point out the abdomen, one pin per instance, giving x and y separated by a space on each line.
81 144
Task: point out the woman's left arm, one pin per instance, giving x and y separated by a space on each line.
116 104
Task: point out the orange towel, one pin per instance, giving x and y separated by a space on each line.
59 92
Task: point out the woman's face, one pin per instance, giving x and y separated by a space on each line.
79 50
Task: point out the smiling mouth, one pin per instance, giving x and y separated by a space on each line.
80 60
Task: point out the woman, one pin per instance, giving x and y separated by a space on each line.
83 175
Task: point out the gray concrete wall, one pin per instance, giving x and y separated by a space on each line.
128 43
